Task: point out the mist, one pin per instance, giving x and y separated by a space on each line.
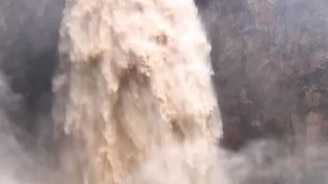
28 57
270 71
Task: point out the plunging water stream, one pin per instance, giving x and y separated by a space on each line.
135 100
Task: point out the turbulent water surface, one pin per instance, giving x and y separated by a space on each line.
134 97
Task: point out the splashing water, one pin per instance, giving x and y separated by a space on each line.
134 97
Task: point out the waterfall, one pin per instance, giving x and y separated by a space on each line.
134 99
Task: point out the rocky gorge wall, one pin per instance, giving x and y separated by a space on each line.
270 63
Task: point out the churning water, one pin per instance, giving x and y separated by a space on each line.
134 96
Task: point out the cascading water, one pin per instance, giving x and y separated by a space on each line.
134 97
134 102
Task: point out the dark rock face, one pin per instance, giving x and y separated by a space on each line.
28 52
28 55
270 61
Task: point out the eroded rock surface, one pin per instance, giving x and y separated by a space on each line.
270 63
